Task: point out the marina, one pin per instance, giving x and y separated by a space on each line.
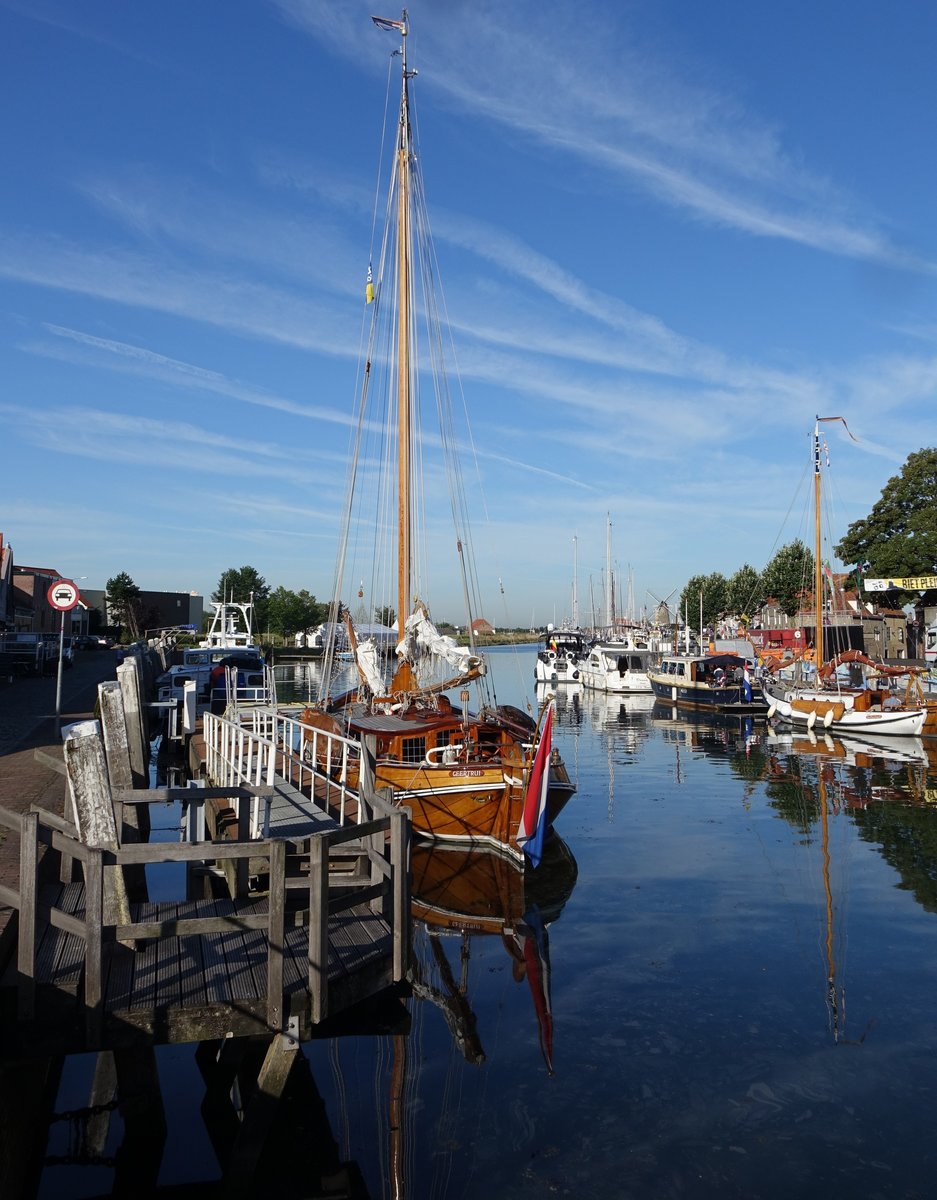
356 888
732 979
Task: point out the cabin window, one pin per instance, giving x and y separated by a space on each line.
680 670
413 750
444 738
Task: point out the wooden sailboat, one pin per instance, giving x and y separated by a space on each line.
826 706
463 775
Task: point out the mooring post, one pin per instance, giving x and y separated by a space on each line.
134 823
128 676
26 932
90 790
318 925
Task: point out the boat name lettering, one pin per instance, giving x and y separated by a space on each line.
466 774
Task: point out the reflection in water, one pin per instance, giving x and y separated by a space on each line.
472 893
761 906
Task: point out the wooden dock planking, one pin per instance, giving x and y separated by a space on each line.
216 950
293 816
65 950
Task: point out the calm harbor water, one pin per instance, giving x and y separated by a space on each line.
735 987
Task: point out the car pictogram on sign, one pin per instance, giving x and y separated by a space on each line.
63 595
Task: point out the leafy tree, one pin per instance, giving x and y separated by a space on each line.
385 616
238 585
714 590
744 592
787 574
122 597
899 536
289 612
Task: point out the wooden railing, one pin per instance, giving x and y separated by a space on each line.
379 848
262 743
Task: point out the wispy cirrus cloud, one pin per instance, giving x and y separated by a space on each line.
592 92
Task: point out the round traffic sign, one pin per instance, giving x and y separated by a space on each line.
63 595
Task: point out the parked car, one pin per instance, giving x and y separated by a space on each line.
85 641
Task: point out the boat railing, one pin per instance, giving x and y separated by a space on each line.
259 744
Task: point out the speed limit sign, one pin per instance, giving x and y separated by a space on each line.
63 595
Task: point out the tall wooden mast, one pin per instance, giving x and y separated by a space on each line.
404 391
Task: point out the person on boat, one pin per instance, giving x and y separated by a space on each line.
218 687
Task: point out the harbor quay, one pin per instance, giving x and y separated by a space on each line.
31 760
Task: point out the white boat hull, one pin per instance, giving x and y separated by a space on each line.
616 669
821 710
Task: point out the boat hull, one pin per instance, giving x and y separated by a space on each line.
838 711
468 805
691 695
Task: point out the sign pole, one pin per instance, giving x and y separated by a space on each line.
63 596
58 676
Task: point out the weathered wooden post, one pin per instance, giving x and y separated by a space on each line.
128 676
400 884
26 934
134 819
318 926
90 789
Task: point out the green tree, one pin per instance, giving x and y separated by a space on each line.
714 591
385 616
899 536
744 592
238 585
787 575
289 612
122 597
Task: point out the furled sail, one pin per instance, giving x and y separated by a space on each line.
367 658
427 649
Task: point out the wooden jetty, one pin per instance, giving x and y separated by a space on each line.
295 903
281 914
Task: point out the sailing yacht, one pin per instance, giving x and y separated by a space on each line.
464 775
827 705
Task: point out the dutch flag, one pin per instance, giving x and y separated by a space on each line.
533 824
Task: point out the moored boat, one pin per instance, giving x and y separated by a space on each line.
490 777
618 666
559 660
827 704
721 682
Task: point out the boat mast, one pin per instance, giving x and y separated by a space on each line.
575 574
404 391
608 575
817 561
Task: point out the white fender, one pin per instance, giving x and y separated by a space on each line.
828 718
812 719
673 693
772 709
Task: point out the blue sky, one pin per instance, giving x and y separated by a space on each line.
669 235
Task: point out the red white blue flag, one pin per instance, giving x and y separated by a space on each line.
533 823
384 23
